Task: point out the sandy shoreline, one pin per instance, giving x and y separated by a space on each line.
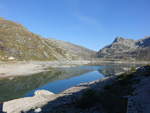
29 68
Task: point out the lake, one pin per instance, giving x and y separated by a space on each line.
56 80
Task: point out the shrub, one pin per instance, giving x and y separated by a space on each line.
133 69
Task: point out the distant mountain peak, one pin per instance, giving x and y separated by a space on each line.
117 39
121 39
122 48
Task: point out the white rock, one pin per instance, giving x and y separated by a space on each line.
43 93
38 110
11 58
41 98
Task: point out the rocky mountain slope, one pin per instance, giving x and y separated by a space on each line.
17 43
126 49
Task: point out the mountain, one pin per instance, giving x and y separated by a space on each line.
17 43
126 49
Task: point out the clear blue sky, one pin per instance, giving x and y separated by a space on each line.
90 23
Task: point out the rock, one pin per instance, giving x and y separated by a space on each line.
43 93
122 49
11 58
144 69
37 110
41 98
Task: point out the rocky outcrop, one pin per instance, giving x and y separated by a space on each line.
126 49
40 98
17 43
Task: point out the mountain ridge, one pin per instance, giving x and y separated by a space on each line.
126 49
18 43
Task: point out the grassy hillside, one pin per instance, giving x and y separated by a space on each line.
17 43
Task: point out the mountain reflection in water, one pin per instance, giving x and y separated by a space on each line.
55 80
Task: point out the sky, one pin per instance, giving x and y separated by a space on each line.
90 23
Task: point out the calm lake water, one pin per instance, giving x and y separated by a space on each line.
56 80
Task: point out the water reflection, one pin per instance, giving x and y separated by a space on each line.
11 88
115 69
55 80
60 85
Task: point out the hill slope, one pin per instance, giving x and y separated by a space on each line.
126 49
16 42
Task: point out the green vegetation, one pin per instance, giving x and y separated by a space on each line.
133 69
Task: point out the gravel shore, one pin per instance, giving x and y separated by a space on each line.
29 68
